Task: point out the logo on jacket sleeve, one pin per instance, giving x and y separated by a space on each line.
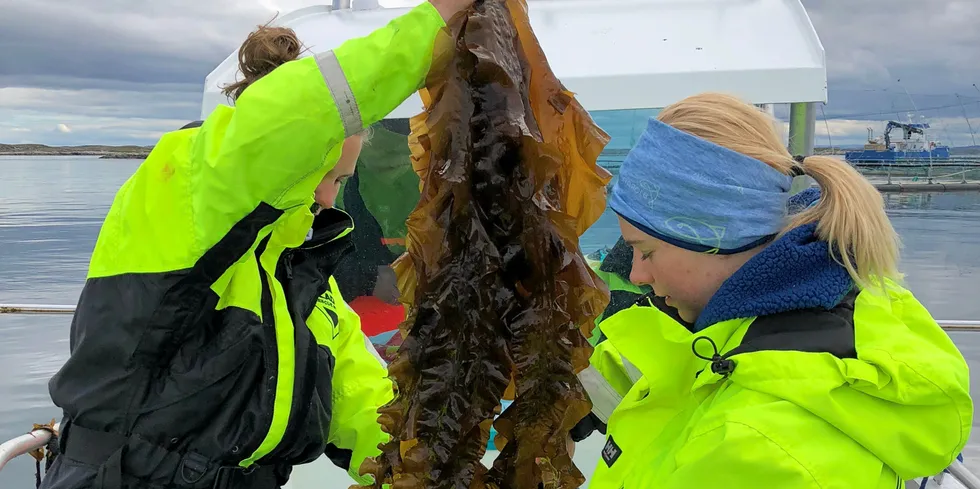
611 452
327 306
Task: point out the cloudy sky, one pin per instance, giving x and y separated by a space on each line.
124 71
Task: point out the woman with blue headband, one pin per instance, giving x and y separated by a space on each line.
780 349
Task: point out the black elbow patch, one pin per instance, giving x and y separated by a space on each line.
586 426
341 457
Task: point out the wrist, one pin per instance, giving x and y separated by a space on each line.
446 8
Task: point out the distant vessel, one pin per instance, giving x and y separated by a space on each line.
913 148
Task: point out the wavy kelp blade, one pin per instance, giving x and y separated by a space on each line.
500 299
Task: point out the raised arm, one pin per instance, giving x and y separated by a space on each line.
267 153
283 134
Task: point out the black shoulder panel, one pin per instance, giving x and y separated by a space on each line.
806 330
190 125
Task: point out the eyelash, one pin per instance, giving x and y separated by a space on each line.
646 255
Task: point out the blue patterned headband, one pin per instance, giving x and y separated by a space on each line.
697 195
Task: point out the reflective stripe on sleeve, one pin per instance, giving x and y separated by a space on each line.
343 97
604 397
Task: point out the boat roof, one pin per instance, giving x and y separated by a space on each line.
624 54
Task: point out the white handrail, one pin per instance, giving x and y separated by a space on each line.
959 325
36 309
963 475
24 444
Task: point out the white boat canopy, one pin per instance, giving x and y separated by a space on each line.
624 54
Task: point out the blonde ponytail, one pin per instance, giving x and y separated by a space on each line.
850 214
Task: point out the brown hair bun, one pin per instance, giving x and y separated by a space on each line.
264 50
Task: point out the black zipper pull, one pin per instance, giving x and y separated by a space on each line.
719 364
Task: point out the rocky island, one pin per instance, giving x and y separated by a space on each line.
106 152
141 152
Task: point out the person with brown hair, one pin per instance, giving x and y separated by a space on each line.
781 350
210 347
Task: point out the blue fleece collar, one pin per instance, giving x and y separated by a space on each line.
794 272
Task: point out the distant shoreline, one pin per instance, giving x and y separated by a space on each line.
103 152
141 152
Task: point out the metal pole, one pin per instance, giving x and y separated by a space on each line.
959 325
830 140
963 475
36 309
962 107
802 125
911 121
24 444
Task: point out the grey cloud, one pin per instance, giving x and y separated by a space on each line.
175 41
878 103
120 62
64 82
931 47
900 34
160 102
871 45
116 72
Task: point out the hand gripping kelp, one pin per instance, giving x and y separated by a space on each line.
500 299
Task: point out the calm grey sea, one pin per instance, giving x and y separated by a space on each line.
51 209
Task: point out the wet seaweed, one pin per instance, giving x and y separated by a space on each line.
500 299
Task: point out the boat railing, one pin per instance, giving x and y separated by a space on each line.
952 325
39 438
962 474
36 309
35 442
31 443
946 324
